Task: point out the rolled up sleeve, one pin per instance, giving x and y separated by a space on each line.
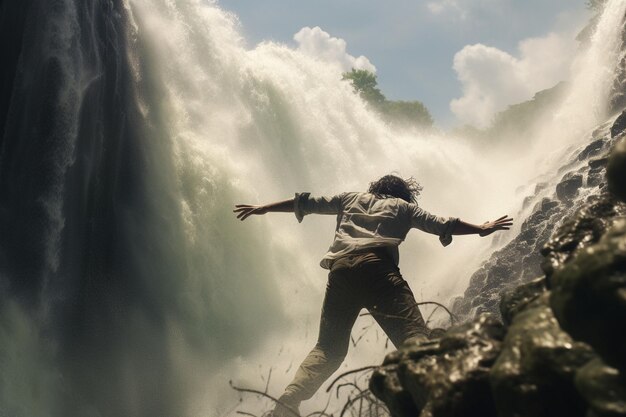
305 204
429 223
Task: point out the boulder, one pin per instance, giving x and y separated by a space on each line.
445 377
620 125
514 301
603 388
589 296
616 170
583 228
568 187
593 149
534 374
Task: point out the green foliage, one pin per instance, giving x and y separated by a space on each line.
406 113
365 84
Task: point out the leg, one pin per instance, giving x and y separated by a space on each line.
393 306
339 312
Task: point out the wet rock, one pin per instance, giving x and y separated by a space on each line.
547 205
517 262
619 126
583 228
616 170
534 374
568 187
445 377
594 148
581 222
599 163
595 179
589 296
603 388
385 385
516 300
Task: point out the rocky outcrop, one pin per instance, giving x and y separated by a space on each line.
534 374
615 170
448 376
560 349
584 228
589 296
579 204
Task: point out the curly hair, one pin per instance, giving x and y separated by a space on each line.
406 189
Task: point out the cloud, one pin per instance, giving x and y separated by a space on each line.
460 9
320 45
492 79
443 6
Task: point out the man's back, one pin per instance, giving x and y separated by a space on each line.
366 220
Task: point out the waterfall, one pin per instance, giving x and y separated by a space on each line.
127 286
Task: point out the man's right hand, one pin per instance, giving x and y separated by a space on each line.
503 223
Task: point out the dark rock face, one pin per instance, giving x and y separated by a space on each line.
589 296
521 255
568 187
616 170
515 301
444 377
603 388
534 374
579 203
584 228
530 367
593 149
619 126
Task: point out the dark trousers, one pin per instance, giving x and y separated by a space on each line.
356 281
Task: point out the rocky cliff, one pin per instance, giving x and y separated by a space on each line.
555 343
578 204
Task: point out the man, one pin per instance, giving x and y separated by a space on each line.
363 264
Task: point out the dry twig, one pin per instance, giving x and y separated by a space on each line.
353 371
263 394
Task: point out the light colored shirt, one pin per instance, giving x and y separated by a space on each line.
366 221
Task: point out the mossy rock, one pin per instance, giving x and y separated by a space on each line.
534 374
589 296
446 377
616 170
603 388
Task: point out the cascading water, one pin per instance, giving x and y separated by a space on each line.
128 287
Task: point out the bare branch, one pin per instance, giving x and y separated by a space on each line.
352 401
353 371
453 318
263 394
269 376
245 413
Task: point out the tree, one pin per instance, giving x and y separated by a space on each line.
407 113
404 113
365 84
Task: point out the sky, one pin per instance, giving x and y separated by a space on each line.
465 59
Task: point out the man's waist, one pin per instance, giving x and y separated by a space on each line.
361 257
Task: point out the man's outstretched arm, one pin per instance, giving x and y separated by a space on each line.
246 210
487 228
